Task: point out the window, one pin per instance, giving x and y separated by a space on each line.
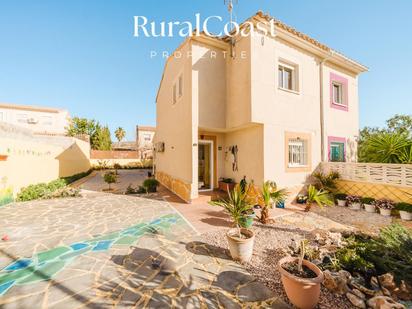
298 152
22 118
177 89
337 93
288 77
147 137
47 120
337 152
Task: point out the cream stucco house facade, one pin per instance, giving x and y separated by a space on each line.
276 109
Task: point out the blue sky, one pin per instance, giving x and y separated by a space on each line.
81 54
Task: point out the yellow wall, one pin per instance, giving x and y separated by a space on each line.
377 191
30 161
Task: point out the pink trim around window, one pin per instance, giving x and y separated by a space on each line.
334 139
341 80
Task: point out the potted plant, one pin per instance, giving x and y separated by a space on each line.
226 184
354 202
301 280
241 240
246 221
385 207
368 203
341 199
320 197
405 211
301 199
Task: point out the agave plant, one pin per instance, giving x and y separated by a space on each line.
236 205
320 197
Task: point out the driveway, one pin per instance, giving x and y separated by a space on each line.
107 250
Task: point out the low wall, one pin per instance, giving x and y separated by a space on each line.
27 159
111 162
180 188
111 157
377 191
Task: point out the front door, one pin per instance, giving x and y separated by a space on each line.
205 159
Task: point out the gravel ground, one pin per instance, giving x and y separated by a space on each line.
360 219
271 242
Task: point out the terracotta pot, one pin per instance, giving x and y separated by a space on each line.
241 249
405 215
370 208
385 212
341 203
355 206
302 292
226 186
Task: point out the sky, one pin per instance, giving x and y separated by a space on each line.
81 54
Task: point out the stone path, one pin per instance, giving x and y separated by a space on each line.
106 251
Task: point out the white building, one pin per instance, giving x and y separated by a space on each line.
44 120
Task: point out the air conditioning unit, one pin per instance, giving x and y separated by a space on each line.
160 147
32 120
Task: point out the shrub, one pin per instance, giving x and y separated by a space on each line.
326 181
384 204
130 189
404 207
116 167
341 196
352 199
368 200
319 197
33 192
70 179
109 178
150 184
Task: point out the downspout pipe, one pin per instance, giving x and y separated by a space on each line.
322 114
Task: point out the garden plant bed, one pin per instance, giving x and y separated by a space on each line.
272 243
293 269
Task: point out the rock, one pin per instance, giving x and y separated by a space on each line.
359 294
334 239
356 301
386 292
387 281
354 284
374 283
384 302
336 282
404 292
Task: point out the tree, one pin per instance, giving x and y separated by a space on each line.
99 136
102 140
400 124
110 178
120 133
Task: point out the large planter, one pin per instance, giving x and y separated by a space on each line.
341 203
405 215
241 249
385 212
302 292
370 208
247 220
226 186
355 206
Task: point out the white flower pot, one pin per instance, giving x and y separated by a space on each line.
355 206
241 249
385 212
370 208
341 203
407 216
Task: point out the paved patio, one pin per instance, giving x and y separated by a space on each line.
107 250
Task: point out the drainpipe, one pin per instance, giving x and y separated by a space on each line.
322 116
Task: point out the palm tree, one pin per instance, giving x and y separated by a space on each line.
120 133
270 196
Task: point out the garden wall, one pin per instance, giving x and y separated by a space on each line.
111 157
29 159
391 181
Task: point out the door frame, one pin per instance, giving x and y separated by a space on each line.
211 167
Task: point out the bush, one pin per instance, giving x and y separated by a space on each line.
109 178
326 181
404 207
352 199
151 184
341 196
368 200
70 179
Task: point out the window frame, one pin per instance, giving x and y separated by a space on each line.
306 138
300 143
177 88
341 93
293 69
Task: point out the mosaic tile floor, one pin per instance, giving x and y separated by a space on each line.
108 251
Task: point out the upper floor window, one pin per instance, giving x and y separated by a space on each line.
288 76
177 89
147 137
298 152
337 93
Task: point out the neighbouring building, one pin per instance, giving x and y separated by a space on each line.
276 109
144 140
41 120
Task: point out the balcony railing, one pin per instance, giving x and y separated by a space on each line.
390 174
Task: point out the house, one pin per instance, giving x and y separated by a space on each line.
40 120
261 106
144 140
